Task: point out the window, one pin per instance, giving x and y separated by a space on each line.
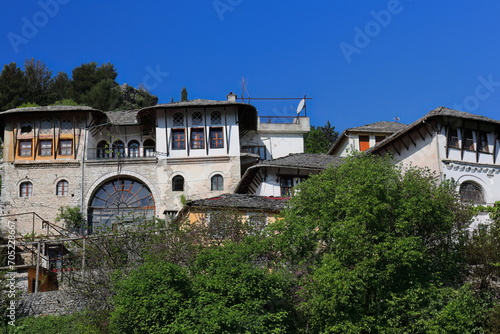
45 127
468 140
453 138
286 185
133 149
66 126
62 188
178 119
26 189
257 150
197 118
217 182
482 142
26 127
197 139
118 149
178 183
45 148
216 140
66 147
179 139
378 139
149 148
472 192
120 200
364 143
25 148
215 118
102 150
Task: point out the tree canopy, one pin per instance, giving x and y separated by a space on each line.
320 138
91 84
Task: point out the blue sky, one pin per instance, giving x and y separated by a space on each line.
360 61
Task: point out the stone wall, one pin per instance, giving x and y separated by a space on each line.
49 303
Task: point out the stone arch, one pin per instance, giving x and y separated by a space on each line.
477 182
135 181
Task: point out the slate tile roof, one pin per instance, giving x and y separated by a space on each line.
240 201
438 112
302 160
48 108
125 117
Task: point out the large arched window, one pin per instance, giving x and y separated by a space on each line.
120 201
472 192
217 182
26 189
133 149
149 148
178 183
62 188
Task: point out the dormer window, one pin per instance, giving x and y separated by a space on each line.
197 118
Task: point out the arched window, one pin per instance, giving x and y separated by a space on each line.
26 189
178 183
26 127
66 126
197 118
62 188
217 182
472 192
102 150
133 149
120 201
215 118
178 119
149 148
118 149
45 127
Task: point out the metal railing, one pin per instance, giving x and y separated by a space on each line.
121 153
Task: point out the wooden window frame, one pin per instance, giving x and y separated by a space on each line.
178 139
216 137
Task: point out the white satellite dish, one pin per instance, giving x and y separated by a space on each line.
301 105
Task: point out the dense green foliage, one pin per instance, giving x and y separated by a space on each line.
184 95
90 85
320 138
362 248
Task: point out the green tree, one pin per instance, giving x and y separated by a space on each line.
12 87
60 87
136 98
87 76
375 241
320 138
105 95
225 290
38 79
72 217
184 95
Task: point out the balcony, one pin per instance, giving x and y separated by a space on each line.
283 124
137 153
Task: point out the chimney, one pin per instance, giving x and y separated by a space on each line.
231 97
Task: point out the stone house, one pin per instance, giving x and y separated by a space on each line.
125 165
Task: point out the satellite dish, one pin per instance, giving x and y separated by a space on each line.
301 105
